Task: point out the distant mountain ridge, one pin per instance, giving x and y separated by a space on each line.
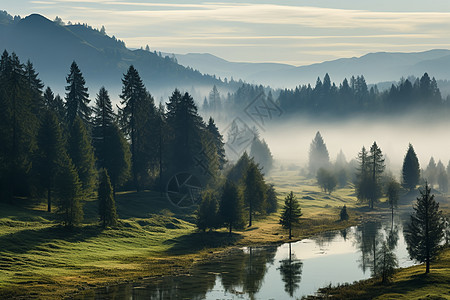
376 67
102 59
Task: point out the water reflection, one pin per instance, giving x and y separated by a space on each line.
291 272
369 240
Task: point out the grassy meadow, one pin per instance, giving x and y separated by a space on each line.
41 259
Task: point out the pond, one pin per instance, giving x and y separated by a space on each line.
288 271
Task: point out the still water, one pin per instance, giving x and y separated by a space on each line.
288 271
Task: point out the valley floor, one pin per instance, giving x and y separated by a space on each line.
40 259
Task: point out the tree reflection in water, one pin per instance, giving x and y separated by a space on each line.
369 238
291 272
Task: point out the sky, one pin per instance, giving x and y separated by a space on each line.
296 32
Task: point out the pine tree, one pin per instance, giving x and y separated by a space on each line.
318 155
77 97
186 130
392 195
237 172
69 193
363 183
51 154
387 262
18 126
260 152
272 200
231 206
107 204
376 168
35 86
207 214
343 214
425 229
218 142
431 172
82 154
411 169
254 191
117 160
291 213
133 93
103 119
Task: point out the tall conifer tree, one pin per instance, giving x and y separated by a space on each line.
133 93
51 154
77 97
411 169
82 154
425 229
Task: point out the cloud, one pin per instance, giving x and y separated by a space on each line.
184 26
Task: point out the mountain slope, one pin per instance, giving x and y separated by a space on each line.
376 67
102 59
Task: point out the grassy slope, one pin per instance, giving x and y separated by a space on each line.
39 258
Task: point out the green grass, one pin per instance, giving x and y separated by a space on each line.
41 259
407 283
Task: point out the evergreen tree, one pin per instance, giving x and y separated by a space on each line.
291 213
18 126
271 199
186 130
376 168
237 172
364 181
343 214
318 155
425 229
117 160
107 204
254 191
103 119
411 169
260 152
442 180
51 154
393 189
231 206
207 214
291 272
82 154
218 142
35 86
77 97
69 193
146 137
431 172
387 262
133 92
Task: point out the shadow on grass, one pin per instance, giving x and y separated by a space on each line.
29 239
143 205
194 242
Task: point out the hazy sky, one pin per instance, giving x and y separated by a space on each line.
296 32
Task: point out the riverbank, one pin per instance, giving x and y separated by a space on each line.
40 259
407 283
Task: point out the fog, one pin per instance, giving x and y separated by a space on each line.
289 140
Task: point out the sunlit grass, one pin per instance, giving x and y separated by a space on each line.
39 258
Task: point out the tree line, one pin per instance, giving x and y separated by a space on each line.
69 150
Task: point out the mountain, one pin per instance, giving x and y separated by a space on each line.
210 64
52 47
376 67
